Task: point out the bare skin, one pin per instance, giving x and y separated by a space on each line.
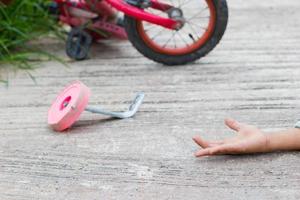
249 140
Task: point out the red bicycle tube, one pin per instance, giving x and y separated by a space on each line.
160 6
142 15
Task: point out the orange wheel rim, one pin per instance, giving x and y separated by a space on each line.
187 48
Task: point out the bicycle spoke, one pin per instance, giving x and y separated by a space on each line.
169 39
195 32
183 39
184 3
151 27
196 25
157 34
197 13
207 17
174 39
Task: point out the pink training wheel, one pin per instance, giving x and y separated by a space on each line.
73 100
68 106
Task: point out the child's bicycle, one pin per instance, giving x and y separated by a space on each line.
171 32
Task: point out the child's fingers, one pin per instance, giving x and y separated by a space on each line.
233 124
217 150
215 143
202 152
224 149
204 144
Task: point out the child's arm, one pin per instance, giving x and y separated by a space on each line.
284 140
249 139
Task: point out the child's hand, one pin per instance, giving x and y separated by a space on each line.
249 139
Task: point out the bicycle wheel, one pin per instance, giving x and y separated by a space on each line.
204 25
78 44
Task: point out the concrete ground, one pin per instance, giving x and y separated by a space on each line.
253 75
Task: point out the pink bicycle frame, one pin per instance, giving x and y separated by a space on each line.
145 16
134 12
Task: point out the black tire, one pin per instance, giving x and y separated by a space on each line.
78 44
134 37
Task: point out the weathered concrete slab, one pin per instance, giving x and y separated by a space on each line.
253 75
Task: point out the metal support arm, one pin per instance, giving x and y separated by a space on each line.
133 108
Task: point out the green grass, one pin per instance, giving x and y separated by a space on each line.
20 22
